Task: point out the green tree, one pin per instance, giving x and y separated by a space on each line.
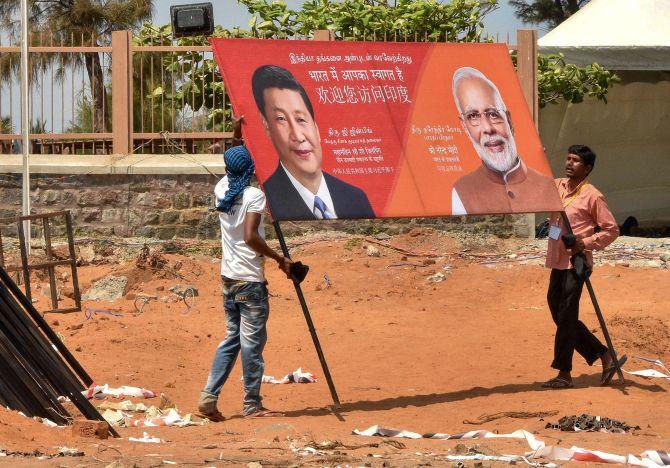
82 120
415 20
6 126
546 12
74 23
560 80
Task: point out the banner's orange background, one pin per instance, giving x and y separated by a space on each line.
409 145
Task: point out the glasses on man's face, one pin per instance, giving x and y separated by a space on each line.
474 118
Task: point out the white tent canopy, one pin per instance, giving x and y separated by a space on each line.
617 34
630 133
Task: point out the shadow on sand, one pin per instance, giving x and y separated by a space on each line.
582 382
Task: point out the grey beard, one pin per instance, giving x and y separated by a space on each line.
502 165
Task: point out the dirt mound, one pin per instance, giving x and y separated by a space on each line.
150 266
21 434
427 240
150 259
648 336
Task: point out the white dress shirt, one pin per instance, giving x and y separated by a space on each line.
308 197
457 207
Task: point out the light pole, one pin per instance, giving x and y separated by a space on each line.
25 121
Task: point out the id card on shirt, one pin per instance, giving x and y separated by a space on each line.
554 232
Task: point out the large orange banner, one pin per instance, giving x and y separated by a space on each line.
378 129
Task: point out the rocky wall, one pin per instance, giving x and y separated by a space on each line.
169 206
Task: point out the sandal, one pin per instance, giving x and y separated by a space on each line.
557 383
263 413
214 417
608 373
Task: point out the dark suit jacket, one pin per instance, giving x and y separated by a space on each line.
287 204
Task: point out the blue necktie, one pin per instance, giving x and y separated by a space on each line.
323 209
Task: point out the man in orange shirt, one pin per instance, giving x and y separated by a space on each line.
594 228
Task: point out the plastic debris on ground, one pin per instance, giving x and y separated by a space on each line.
171 418
152 417
649 458
588 423
297 376
511 459
305 451
70 452
47 422
650 373
100 392
656 362
146 438
114 417
437 277
125 405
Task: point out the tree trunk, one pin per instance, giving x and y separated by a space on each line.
98 92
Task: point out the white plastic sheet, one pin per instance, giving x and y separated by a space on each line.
650 458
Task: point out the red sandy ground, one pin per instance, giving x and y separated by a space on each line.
403 352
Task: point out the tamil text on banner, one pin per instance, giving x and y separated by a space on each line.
378 129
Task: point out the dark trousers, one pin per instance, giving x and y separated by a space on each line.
565 290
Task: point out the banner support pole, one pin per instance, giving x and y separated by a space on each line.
308 318
25 123
601 319
527 63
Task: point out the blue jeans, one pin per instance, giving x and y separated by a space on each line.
247 310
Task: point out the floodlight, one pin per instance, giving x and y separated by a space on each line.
196 19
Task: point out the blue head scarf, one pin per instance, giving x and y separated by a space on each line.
240 168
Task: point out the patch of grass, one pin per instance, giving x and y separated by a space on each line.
351 244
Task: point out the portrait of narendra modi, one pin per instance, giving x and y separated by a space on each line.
503 183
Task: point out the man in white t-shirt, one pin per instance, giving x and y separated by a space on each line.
245 293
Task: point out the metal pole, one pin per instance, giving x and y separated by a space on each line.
55 341
599 313
308 318
25 121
